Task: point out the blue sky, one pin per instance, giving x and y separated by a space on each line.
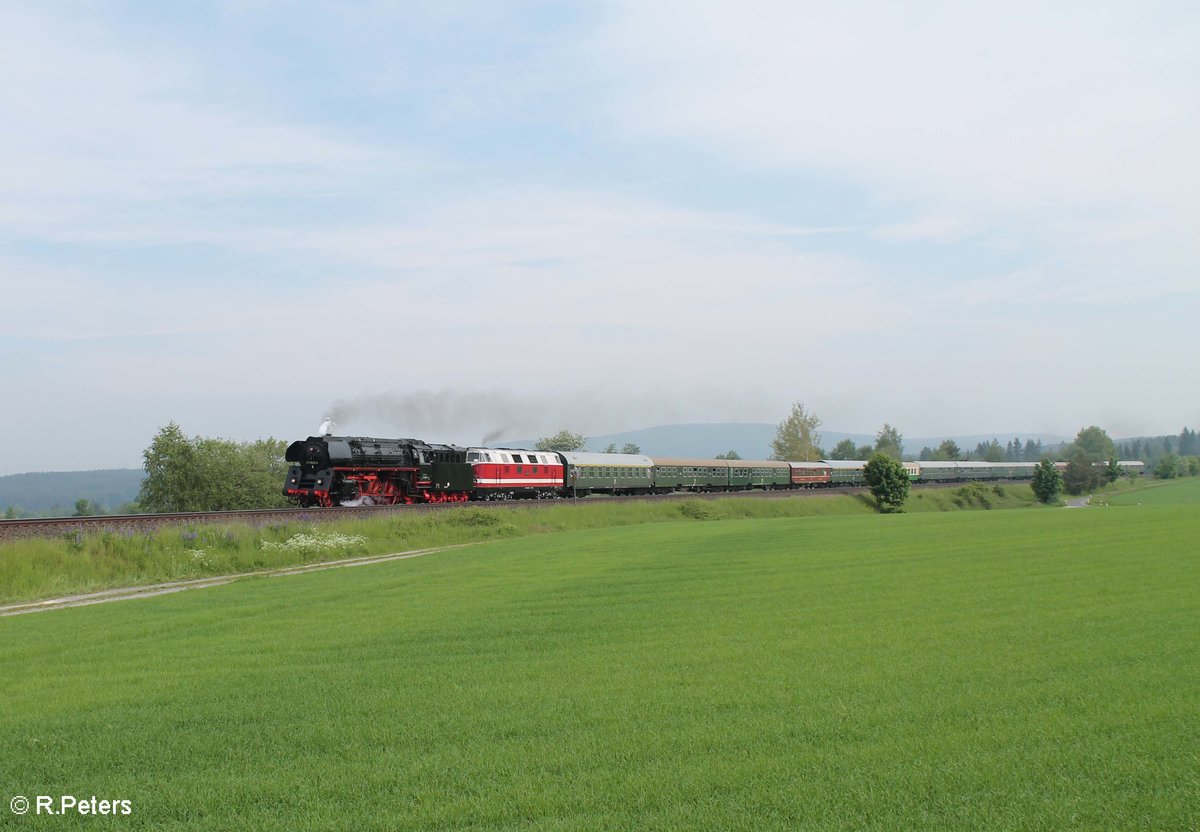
505 216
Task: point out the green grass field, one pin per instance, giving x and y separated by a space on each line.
1176 492
985 670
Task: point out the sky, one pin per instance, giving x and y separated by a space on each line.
452 221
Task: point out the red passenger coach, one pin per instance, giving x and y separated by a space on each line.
811 474
511 474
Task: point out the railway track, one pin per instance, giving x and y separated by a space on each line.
119 523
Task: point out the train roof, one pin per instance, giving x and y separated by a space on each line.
692 462
589 458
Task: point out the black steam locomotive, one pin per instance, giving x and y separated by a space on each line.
355 470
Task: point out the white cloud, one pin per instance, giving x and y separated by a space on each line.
993 120
90 124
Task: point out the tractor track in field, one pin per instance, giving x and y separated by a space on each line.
151 590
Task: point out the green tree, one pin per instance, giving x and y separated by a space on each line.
889 441
1032 451
948 451
205 474
1096 443
845 449
611 449
1081 475
863 452
990 451
171 473
796 437
630 448
729 455
85 508
1189 444
1167 467
1047 481
564 440
888 481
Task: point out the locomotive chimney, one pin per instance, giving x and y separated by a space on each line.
326 428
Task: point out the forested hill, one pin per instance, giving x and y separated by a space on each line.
47 491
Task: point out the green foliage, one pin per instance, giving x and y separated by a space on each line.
85 508
1167 467
1047 481
846 449
948 451
631 448
1081 475
796 437
973 495
1096 443
205 474
889 441
990 451
611 449
888 481
564 441
729 455
700 510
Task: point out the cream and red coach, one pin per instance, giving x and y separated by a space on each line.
515 473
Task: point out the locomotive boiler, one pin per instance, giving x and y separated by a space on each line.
359 470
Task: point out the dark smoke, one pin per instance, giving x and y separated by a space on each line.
435 412
433 415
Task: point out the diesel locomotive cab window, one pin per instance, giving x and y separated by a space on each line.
517 458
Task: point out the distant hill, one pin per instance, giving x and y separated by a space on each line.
752 440
47 492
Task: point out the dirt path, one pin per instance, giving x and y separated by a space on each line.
150 590
1079 502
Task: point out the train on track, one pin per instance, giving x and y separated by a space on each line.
357 470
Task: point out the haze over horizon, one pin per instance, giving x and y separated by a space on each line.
521 217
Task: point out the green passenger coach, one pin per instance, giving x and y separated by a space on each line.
590 473
686 474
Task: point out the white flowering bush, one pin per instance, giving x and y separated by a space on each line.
310 542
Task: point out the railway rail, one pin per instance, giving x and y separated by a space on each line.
59 526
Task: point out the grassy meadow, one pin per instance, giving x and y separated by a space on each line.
1151 492
81 562
936 671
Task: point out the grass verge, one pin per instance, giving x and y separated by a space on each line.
77 563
